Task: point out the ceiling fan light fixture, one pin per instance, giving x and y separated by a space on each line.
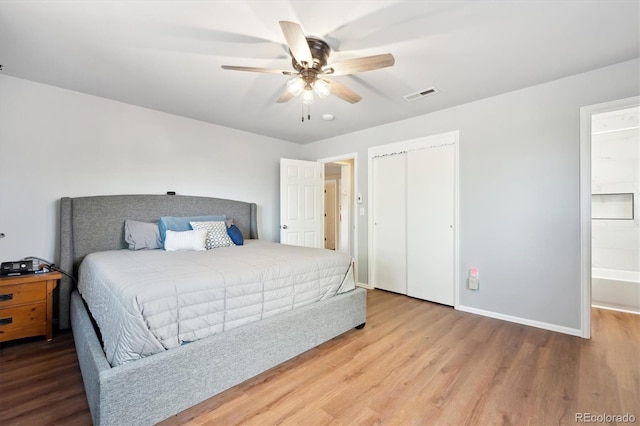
310 60
295 86
322 88
307 97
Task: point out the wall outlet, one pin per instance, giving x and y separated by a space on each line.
474 283
474 279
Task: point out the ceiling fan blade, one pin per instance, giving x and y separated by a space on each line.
256 69
343 92
297 42
285 97
368 63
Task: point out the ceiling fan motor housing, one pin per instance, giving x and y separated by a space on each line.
320 52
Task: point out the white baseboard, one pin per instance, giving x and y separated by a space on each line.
363 285
523 321
617 308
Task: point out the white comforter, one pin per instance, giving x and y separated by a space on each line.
148 301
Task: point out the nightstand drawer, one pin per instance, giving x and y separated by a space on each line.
26 305
17 294
22 316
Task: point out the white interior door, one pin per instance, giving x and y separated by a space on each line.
430 215
389 269
301 203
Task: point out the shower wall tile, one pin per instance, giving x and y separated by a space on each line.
615 168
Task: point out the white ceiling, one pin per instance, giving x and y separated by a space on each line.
166 55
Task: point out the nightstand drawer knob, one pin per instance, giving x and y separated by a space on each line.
4 297
5 321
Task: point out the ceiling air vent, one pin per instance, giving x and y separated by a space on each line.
421 94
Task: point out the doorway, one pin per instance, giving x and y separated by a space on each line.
589 117
343 171
615 230
331 216
302 203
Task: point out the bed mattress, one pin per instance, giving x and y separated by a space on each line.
149 301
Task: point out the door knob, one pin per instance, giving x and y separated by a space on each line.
284 226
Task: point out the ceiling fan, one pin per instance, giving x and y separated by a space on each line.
310 57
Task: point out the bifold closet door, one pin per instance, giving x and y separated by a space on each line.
389 197
430 219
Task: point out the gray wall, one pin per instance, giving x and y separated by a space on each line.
519 189
56 142
519 178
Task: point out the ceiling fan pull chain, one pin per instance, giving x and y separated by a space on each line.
302 107
309 112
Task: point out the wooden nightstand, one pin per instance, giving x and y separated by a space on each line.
26 305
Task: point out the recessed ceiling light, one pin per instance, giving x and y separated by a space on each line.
328 117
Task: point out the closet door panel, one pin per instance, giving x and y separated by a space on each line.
389 223
430 218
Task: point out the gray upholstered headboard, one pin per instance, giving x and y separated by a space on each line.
90 224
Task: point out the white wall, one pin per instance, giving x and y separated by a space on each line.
519 189
56 142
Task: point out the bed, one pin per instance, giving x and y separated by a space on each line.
159 385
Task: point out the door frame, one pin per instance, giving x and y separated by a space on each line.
336 237
431 141
353 156
586 114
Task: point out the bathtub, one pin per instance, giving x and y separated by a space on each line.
614 289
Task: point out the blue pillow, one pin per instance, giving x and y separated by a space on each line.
182 223
236 235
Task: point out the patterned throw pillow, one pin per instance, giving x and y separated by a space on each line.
182 223
216 234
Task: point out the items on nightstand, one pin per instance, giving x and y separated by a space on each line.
19 267
26 305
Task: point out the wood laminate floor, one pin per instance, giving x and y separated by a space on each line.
415 363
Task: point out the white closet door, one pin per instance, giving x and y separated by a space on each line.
430 218
389 258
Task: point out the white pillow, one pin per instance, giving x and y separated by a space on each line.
216 234
185 240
